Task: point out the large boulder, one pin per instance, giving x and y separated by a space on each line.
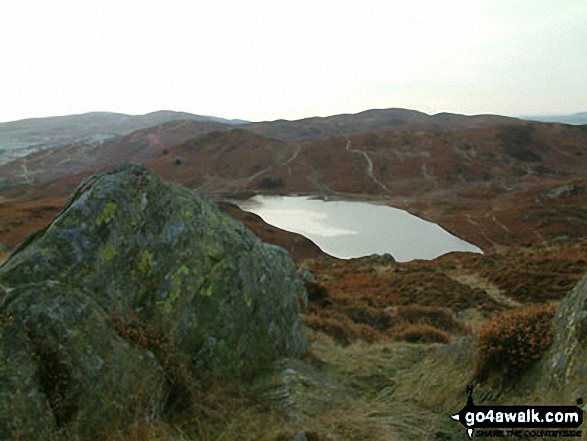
129 254
564 366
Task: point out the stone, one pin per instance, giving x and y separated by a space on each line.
564 366
127 255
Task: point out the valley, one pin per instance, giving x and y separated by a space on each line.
493 181
393 343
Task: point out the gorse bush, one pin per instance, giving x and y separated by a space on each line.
509 342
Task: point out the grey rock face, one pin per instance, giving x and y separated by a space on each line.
129 248
564 366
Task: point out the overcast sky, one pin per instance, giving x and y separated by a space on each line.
265 60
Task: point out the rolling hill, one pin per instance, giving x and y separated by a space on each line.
19 138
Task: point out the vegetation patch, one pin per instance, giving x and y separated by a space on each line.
59 385
270 183
511 341
516 141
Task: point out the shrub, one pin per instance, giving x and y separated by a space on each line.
272 182
317 293
509 342
419 333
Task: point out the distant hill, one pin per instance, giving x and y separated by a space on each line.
20 138
575 119
376 120
147 143
392 162
140 145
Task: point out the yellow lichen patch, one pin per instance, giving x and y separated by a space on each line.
108 252
215 251
206 291
146 264
176 281
107 214
184 270
170 301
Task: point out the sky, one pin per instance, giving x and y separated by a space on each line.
267 60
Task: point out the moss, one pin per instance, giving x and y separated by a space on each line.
107 215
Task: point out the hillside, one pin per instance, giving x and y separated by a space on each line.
49 165
376 120
19 138
491 186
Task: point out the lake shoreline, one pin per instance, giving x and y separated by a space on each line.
353 229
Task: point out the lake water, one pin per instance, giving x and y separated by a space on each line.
346 229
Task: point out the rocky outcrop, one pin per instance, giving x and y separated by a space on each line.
131 262
564 366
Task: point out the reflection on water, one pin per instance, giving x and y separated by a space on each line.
346 229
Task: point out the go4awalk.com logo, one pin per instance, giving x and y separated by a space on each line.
520 421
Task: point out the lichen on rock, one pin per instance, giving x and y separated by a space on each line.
131 246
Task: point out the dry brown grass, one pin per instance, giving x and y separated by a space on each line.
232 412
341 327
20 218
539 273
349 318
433 316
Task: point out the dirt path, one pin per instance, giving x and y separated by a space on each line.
369 164
294 156
476 281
